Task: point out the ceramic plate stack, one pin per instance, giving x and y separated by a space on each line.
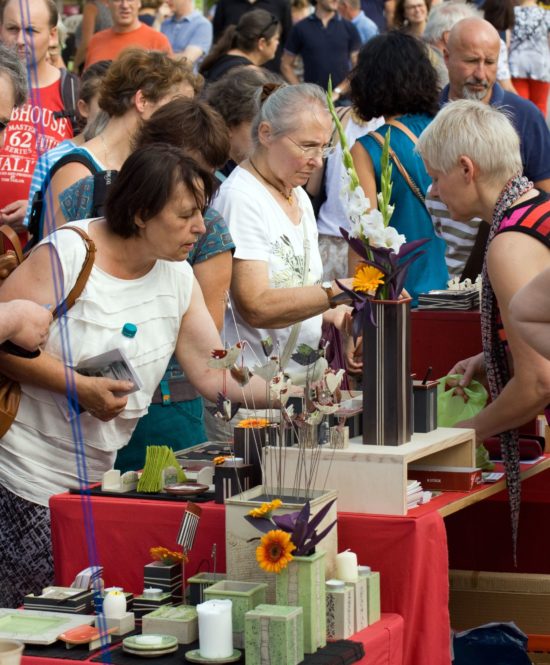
150 646
464 299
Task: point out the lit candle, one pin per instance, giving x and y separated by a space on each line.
346 566
215 629
114 604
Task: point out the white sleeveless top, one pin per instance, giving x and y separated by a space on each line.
38 453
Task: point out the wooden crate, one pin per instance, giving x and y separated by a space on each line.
370 479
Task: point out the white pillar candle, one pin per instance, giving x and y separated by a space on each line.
114 604
215 629
346 566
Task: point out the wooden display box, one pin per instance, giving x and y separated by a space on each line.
274 635
373 479
242 539
244 596
181 622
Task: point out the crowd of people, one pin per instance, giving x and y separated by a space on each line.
198 162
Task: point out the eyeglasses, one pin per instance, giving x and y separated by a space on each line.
3 124
273 21
313 150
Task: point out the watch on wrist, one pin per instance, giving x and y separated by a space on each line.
327 288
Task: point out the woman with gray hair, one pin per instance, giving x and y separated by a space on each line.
276 288
472 152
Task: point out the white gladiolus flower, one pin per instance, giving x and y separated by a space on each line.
392 239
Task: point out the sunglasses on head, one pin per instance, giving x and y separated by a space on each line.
274 21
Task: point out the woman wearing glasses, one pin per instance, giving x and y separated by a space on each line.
253 41
276 287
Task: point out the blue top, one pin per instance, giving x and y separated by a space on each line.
366 28
44 182
192 30
410 216
325 51
42 168
531 127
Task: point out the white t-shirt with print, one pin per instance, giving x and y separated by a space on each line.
263 232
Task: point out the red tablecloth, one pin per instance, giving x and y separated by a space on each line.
409 552
480 536
383 642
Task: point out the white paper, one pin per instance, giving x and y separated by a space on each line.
112 364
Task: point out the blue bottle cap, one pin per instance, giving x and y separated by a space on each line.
129 330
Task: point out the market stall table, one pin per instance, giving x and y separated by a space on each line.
382 642
410 552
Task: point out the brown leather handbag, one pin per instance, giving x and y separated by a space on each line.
10 390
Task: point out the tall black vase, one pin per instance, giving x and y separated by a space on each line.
387 382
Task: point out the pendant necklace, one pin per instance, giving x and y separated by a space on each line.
289 197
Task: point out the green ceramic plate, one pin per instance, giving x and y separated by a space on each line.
144 653
38 627
150 642
195 657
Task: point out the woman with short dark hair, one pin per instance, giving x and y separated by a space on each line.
394 78
200 131
140 275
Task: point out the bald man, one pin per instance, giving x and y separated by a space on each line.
471 56
29 27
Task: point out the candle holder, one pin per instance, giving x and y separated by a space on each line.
340 610
425 405
168 577
244 596
198 583
194 656
274 635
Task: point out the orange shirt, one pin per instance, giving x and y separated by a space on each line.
107 44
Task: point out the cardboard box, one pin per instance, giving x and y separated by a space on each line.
481 597
445 479
539 658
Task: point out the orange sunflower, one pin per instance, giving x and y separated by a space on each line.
367 278
274 552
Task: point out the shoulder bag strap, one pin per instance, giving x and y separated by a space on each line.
410 182
404 129
84 272
474 264
7 232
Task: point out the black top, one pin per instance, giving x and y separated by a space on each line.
223 65
228 12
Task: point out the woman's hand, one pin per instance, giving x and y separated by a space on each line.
14 215
8 263
31 323
101 396
470 368
353 355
